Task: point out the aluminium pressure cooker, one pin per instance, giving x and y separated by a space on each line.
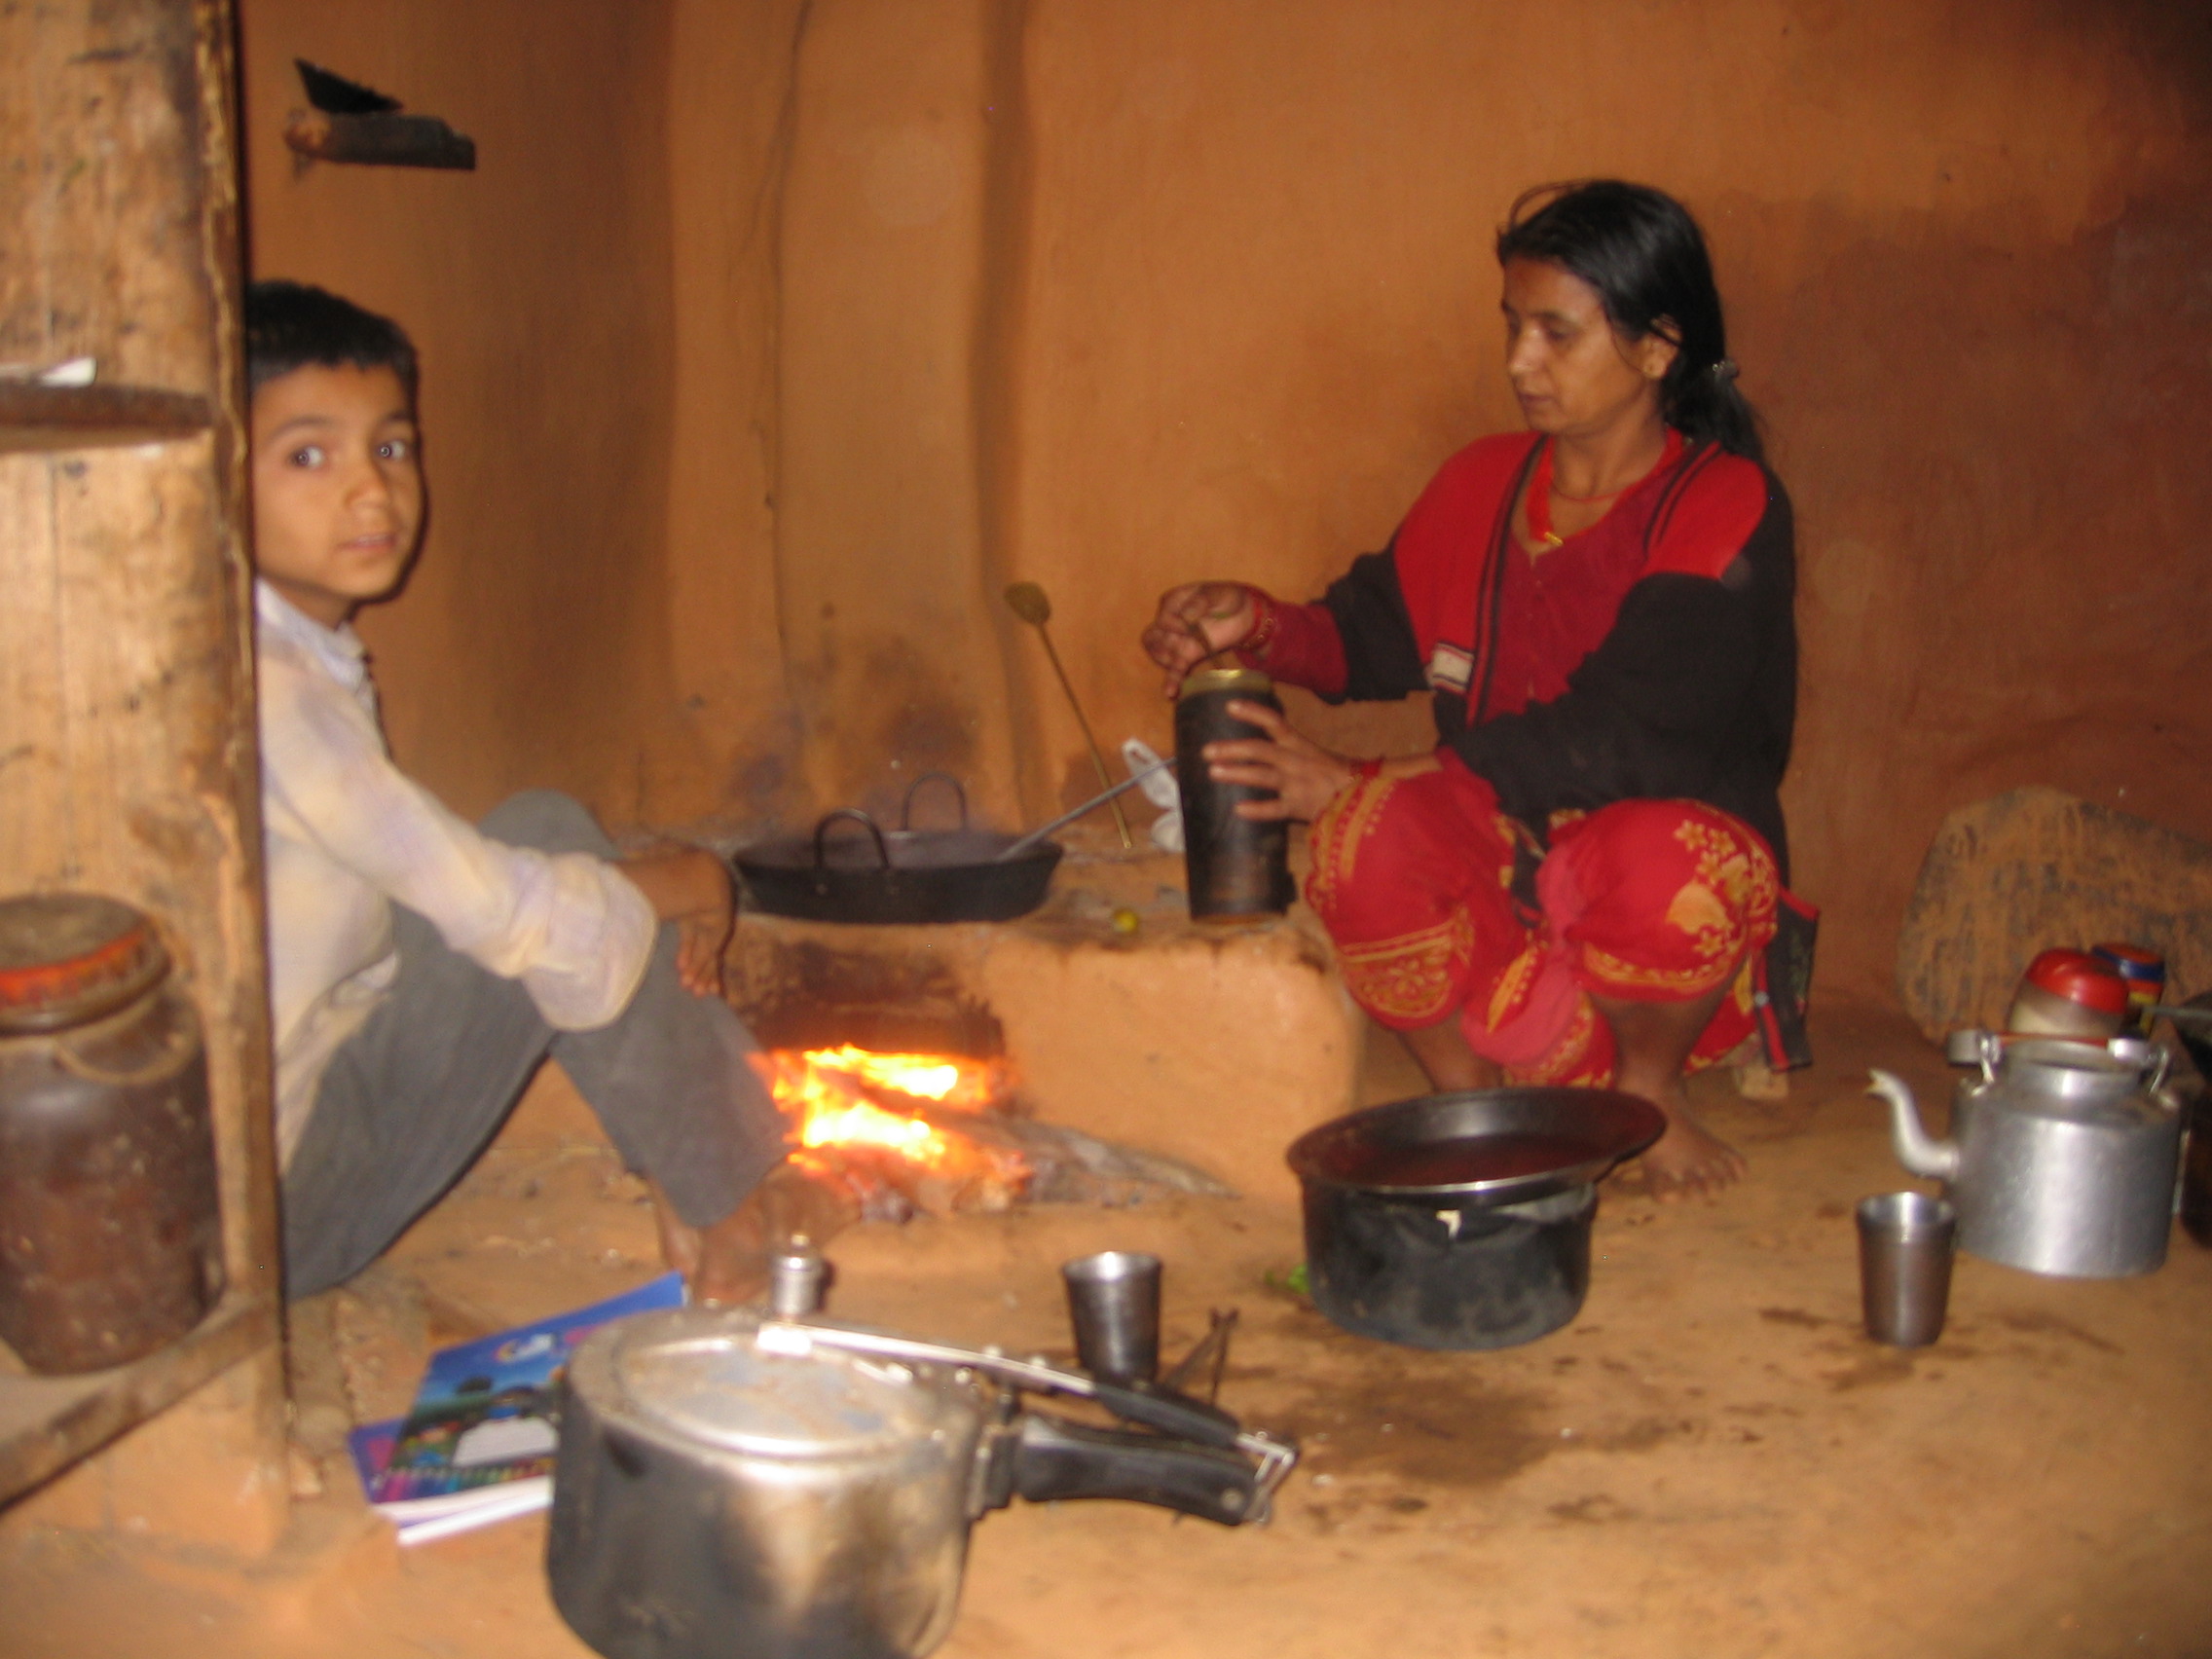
735 1485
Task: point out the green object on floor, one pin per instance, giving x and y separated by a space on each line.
1293 1281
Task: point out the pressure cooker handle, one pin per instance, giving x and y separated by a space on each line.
1057 1458
1170 1411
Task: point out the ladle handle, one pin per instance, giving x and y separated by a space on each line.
1013 850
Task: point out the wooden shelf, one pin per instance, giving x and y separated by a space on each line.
34 417
48 1422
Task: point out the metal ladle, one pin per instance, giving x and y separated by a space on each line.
1030 603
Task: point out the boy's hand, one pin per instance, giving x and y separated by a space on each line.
689 887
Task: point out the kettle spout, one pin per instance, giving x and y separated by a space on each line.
1936 1160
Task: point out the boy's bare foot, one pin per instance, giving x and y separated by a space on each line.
1688 1160
726 1262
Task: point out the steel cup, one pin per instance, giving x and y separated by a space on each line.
1904 1266
1114 1301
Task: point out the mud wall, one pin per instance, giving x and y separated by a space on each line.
529 647
871 307
1966 255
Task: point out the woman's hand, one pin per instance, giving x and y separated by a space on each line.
1195 621
1305 776
689 887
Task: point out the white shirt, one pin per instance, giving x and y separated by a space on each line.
347 833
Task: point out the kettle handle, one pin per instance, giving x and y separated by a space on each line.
2150 1059
1056 1458
1972 1047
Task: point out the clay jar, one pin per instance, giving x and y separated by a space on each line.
110 1236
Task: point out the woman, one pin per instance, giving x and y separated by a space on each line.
1572 888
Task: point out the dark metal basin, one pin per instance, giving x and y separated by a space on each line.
1496 1146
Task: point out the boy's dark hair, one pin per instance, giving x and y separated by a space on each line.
290 325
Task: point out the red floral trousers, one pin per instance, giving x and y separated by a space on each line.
1642 900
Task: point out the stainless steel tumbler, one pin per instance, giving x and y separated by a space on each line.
1114 1301
1904 1266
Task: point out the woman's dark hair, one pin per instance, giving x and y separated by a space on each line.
1644 253
290 325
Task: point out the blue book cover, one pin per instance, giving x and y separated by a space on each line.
482 1417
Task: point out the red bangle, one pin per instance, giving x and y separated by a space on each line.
1255 644
1368 768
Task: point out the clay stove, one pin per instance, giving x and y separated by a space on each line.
1085 1047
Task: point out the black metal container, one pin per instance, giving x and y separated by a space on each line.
1462 1221
2195 1200
1236 868
1465 1275
110 1240
898 876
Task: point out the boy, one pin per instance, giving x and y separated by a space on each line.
419 968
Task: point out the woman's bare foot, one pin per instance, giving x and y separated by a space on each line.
1688 1160
1653 1043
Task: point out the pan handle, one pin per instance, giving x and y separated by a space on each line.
906 806
821 832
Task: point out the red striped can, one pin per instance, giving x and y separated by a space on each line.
2145 972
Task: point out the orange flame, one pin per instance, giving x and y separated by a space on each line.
827 1092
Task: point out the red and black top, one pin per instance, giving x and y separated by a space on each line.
1652 655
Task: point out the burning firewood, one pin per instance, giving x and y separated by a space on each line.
932 1133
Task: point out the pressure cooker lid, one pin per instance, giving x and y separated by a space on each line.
718 1387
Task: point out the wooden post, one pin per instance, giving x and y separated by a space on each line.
127 730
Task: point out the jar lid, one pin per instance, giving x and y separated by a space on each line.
1246 682
2130 961
66 957
2078 977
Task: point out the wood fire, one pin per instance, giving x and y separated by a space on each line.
888 1127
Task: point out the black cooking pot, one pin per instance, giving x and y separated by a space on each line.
1463 1221
898 875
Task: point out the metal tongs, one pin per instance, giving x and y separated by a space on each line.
1163 1408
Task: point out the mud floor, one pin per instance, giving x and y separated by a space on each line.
1711 1460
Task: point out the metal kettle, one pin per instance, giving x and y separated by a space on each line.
2062 1156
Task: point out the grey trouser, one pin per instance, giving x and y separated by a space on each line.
416 1093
